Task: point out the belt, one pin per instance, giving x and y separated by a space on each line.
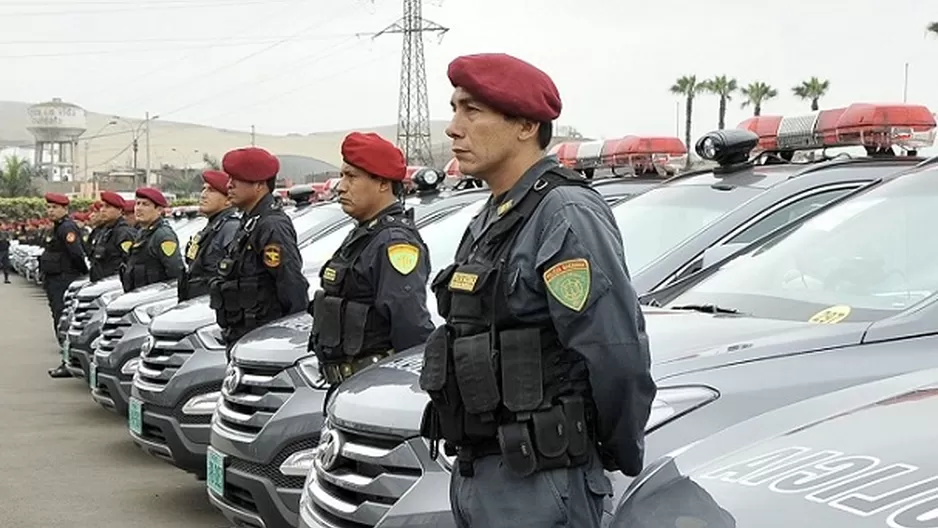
338 372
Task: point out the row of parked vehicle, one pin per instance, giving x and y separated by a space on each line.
781 300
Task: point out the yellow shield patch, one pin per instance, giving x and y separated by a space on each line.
168 247
126 245
832 315
569 283
71 237
272 255
403 257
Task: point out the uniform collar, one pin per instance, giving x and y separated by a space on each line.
395 208
266 202
228 211
496 207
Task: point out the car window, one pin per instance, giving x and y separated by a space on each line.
788 213
656 221
316 219
869 257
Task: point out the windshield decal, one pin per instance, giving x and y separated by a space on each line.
832 315
860 485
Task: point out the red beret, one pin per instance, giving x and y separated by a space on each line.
250 164
128 206
374 155
218 180
113 199
507 84
152 194
57 199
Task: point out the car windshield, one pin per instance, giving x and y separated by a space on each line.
185 230
863 259
658 220
318 217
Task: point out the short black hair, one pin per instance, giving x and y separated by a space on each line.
272 184
545 131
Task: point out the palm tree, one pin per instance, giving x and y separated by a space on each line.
932 28
757 93
722 87
688 87
210 161
16 178
813 89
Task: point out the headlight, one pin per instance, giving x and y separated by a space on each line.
145 313
96 343
298 464
130 367
147 345
202 404
309 369
673 402
211 337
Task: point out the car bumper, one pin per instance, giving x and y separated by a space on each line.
179 440
80 350
113 390
114 386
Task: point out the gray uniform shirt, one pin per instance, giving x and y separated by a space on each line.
567 267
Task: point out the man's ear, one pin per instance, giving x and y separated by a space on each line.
528 129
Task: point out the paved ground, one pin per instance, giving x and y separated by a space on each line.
64 461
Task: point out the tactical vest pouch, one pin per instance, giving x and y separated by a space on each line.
327 320
50 264
474 362
435 360
578 438
353 326
467 306
550 432
332 277
99 252
522 373
514 439
439 288
446 416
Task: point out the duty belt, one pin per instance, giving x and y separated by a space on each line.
338 372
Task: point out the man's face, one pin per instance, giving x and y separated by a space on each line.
146 212
242 194
211 201
482 137
107 214
130 217
360 193
55 211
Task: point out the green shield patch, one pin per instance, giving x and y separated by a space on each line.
569 283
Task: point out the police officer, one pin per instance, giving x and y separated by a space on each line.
260 279
154 255
112 238
541 373
372 300
130 217
207 247
5 254
62 262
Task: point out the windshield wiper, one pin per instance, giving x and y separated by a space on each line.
705 308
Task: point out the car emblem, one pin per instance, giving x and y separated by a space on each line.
330 449
232 379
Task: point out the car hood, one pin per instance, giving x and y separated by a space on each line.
184 318
141 296
93 290
862 456
680 341
281 342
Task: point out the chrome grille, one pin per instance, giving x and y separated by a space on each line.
112 331
161 362
252 402
370 475
84 311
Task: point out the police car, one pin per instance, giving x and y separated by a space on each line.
716 359
859 457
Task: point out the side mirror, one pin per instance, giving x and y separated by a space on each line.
715 254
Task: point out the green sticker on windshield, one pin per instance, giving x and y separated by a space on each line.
832 315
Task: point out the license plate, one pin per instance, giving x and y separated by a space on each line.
65 346
215 472
92 376
135 416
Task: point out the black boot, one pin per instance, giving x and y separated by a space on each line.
60 372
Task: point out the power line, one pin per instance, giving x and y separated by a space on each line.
143 7
136 50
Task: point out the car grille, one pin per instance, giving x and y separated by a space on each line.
84 311
161 362
271 471
112 331
256 399
370 476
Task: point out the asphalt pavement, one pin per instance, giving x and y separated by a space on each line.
65 461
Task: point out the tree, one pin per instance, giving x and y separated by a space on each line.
210 161
757 93
812 90
723 87
16 178
932 28
688 87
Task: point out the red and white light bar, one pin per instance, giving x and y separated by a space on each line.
870 125
617 152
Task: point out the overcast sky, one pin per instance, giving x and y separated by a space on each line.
297 65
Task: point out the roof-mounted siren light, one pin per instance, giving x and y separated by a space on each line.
642 153
565 152
880 126
427 178
727 147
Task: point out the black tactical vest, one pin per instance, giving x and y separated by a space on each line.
56 260
143 267
243 293
345 324
106 253
498 385
195 282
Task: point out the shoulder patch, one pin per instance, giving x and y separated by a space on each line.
168 247
71 237
272 255
404 257
569 282
126 245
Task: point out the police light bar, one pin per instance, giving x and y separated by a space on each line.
623 151
870 125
